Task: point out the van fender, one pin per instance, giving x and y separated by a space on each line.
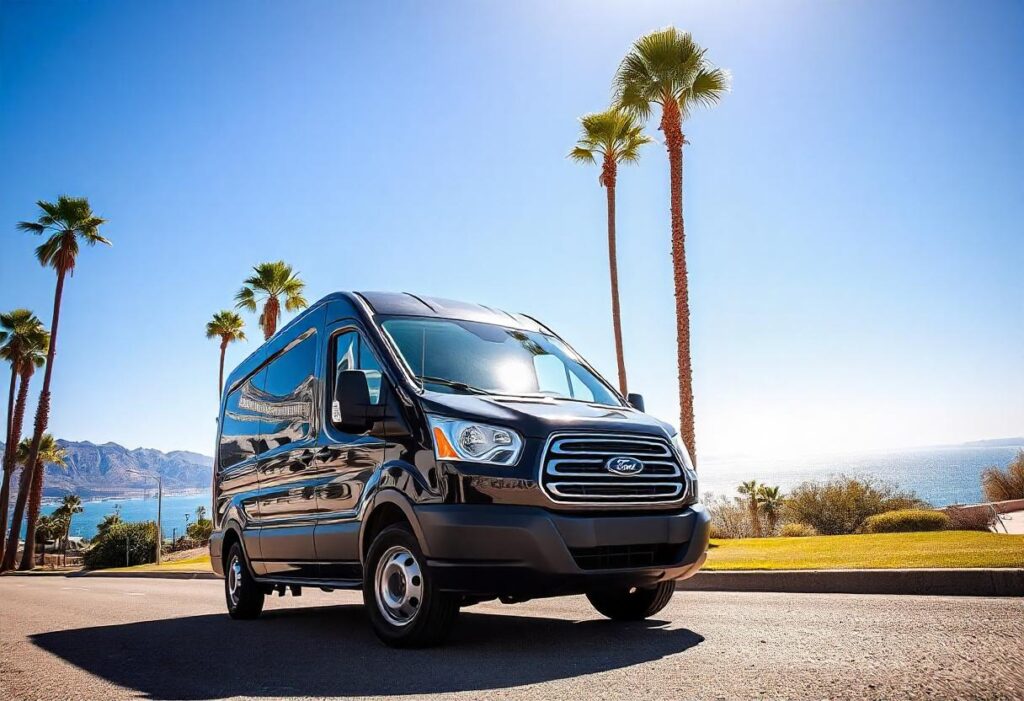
401 485
232 525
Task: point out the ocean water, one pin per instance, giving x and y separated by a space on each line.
940 476
175 509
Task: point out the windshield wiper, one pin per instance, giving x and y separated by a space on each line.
444 382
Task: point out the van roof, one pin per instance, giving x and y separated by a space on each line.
407 304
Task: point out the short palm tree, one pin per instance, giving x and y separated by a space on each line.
271 283
67 222
770 501
226 325
70 505
50 453
24 346
752 491
615 137
668 68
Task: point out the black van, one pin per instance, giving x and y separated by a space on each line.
436 454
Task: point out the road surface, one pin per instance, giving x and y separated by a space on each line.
96 638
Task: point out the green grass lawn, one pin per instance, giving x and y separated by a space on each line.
200 563
877 550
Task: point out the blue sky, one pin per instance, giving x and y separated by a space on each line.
854 208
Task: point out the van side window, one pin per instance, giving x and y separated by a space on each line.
240 431
289 395
351 352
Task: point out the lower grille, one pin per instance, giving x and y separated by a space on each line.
586 468
610 557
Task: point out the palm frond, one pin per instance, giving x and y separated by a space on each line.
31 227
614 133
274 279
246 299
667 65
295 301
67 220
226 325
709 86
581 155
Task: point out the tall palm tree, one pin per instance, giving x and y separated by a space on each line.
752 490
50 453
615 136
66 222
669 69
24 346
770 501
271 282
227 325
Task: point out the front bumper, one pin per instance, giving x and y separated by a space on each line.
523 552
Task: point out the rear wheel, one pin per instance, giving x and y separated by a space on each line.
404 606
633 603
243 595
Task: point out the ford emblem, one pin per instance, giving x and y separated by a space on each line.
624 465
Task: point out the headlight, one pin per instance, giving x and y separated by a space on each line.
455 439
684 457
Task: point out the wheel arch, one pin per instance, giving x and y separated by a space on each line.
231 534
389 506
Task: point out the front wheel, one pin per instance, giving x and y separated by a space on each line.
243 595
404 606
632 603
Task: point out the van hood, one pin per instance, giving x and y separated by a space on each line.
537 417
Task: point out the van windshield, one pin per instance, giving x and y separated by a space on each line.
468 357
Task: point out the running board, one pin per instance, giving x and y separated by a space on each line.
322 583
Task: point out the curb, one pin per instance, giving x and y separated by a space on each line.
927 582
148 575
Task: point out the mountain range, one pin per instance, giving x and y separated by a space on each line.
93 470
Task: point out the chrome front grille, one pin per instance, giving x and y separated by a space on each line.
574 469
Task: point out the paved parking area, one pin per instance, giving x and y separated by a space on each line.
94 638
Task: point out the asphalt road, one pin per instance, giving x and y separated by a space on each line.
93 638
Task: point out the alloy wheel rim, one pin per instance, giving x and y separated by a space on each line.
398 585
234 580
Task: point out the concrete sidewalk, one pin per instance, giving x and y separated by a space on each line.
939 582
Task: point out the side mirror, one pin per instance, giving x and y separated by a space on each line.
351 406
635 400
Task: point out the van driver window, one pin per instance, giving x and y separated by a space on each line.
352 353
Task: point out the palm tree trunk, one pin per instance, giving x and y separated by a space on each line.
35 500
8 467
271 310
755 522
42 419
671 125
9 446
608 178
220 376
10 409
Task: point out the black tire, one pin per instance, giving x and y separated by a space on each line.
404 606
246 601
634 603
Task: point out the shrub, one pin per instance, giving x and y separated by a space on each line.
729 517
839 505
1000 485
975 519
797 530
122 544
200 530
906 521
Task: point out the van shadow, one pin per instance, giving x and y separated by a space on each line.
331 651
